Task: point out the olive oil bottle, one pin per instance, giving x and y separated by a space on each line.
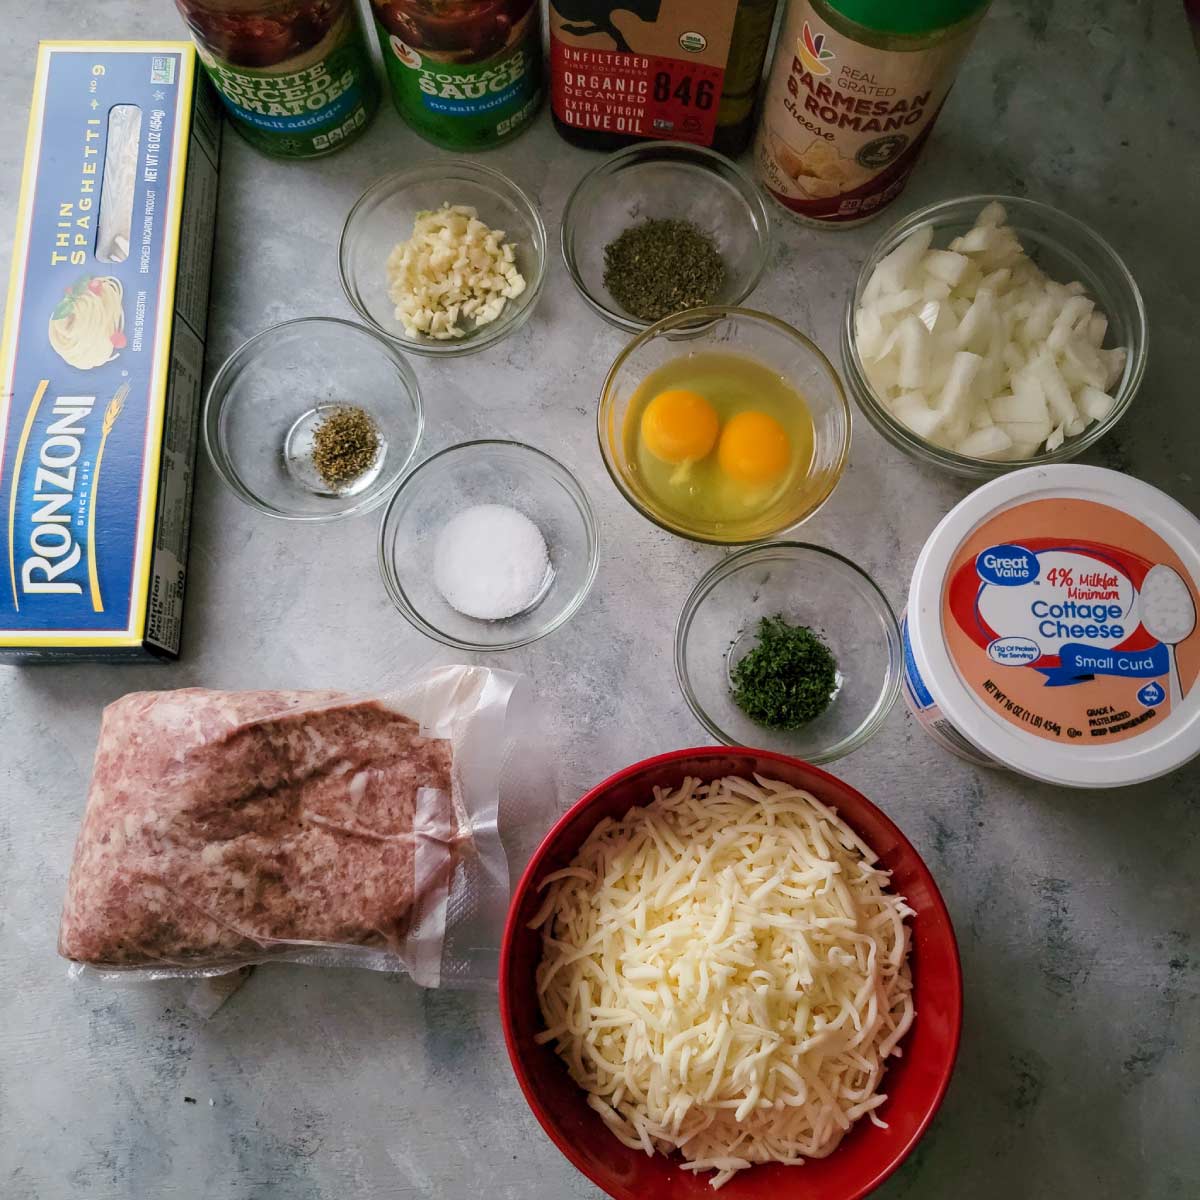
682 70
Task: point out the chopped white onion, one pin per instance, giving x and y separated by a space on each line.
976 349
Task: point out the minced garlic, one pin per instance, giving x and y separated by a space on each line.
452 268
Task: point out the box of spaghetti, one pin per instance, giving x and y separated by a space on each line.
103 351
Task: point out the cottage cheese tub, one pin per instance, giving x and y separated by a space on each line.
1052 628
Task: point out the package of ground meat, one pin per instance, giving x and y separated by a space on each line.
230 828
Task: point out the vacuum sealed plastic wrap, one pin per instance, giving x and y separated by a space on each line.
230 828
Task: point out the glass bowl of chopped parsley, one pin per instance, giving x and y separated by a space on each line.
789 647
662 227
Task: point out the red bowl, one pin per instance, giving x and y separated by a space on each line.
915 1083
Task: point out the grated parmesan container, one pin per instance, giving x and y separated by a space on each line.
1052 628
851 98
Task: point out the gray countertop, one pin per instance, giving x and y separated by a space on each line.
1076 913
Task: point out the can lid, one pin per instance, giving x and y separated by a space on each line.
1054 616
912 16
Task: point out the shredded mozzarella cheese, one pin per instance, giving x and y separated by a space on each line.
452 268
724 972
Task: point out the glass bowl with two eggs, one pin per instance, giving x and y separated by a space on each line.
723 425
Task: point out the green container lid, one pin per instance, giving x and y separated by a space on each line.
907 16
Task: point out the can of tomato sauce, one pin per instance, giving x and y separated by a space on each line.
295 75
465 74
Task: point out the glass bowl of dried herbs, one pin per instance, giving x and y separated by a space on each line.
661 227
789 647
313 420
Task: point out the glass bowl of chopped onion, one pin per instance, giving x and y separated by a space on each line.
990 333
445 258
687 208
791 647
313 420
489 545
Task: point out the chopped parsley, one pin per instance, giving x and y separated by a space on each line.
787 679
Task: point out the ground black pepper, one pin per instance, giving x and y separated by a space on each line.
660 267
787 679
345 444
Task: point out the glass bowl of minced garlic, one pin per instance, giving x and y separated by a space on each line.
444 258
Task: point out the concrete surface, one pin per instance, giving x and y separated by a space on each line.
1076 913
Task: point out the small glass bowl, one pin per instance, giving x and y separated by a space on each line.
384 216
757 336
272 393
488 472
1066 249
662 180
806 585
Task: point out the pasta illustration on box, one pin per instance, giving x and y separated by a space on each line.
87 326
103 351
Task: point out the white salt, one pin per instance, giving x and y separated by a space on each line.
490 562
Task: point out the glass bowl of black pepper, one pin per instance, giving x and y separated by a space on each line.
790 647
661 227
313 420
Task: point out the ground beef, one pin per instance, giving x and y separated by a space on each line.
222 823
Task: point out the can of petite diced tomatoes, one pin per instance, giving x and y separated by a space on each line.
1052 628
295 75
854 90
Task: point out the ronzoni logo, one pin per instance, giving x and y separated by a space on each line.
50 551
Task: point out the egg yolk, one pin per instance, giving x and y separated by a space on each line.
754 448
679 426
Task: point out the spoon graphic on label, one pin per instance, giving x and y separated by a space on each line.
1168 614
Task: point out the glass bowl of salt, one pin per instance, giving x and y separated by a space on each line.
488 545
